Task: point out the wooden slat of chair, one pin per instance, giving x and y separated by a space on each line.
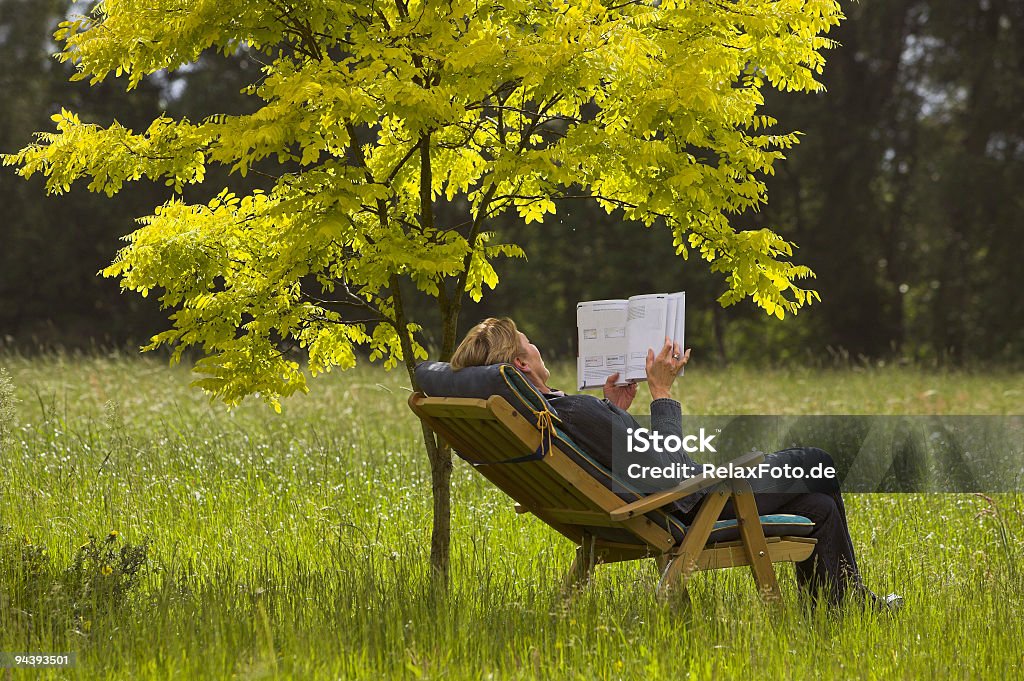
502 476
557 466
498 450
734 554
468 440
460 408
550 488
600 497
540 474
659 538
586 518
504 479
484 434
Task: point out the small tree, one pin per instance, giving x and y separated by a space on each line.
379 112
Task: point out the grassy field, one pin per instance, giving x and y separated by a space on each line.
295 546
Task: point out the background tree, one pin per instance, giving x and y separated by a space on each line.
54 297
903 194
379 115
884 271
49 293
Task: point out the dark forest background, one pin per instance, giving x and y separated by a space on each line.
906 197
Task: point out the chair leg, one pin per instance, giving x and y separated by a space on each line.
582 566
683 562
754 543
680 596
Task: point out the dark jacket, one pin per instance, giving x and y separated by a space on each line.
591 422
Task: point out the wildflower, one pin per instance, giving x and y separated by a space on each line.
107 570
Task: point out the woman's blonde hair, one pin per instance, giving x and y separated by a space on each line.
492 341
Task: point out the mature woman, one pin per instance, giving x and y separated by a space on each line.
831 570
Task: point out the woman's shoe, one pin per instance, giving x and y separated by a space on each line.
890 604
894 602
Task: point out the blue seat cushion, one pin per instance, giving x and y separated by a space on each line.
775 525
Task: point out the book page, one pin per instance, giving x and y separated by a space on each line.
601 328
670 315
677 322
679 333
645 328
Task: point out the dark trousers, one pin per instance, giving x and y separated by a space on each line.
831 570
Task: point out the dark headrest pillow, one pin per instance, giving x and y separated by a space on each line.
437 379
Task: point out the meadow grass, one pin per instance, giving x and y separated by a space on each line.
295 545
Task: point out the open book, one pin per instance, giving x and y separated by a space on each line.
614 335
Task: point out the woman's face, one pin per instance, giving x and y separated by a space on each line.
531 363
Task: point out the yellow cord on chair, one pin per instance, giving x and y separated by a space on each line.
546 426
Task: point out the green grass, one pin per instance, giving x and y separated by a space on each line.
295 546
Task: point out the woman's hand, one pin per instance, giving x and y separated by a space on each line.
663 368
619 395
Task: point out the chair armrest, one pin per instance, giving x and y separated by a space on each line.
683 489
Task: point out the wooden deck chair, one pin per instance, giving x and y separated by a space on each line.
531 465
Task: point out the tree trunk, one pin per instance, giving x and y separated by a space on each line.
438 453
441 491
